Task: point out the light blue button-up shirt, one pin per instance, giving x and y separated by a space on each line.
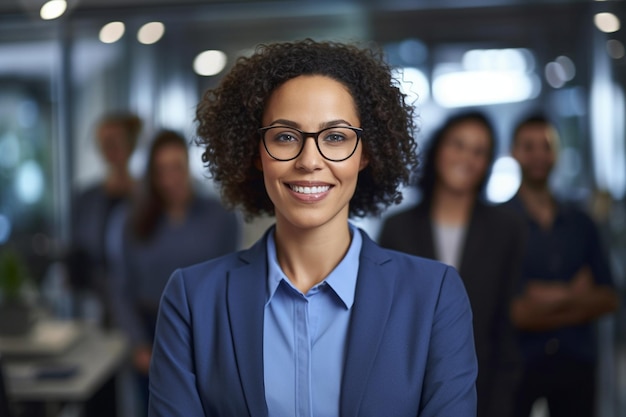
305 335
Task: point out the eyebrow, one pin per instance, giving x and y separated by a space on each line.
290 123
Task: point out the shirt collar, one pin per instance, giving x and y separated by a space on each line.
342 279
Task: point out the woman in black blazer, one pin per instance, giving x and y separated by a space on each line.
484 242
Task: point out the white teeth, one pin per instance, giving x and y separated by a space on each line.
310 190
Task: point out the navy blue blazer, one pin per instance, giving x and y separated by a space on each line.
410 345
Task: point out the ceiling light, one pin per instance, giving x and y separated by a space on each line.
53 9
209 63
479 88
151 33
615 49
509 59
607 22
112 32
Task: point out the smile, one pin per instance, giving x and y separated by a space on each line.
310 190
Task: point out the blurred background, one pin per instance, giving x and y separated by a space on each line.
64 65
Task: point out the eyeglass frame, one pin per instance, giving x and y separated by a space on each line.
314 135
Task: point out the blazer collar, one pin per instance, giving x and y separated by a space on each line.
246 302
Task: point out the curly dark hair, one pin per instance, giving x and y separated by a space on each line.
229 116
428 176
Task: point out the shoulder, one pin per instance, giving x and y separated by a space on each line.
514 204
408 215
204 278
405 268
205 201
90 193
208 204
572 209
500 215
217 270
575 216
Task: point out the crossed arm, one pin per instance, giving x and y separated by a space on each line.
546 306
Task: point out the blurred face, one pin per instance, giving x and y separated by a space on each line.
463 158
310 191
535 150
171 174
113 143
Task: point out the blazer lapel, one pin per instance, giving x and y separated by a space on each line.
373 298
246 302
424 235
476 233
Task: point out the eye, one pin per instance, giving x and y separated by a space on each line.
336 136
285 137
281 135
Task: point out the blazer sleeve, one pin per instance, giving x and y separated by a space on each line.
450 378
173 391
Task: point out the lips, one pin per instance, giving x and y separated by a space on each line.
318 189
309 193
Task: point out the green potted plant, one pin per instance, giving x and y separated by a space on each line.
16 312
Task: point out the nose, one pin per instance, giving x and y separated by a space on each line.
310 158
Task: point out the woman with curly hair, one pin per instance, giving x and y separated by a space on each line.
314 319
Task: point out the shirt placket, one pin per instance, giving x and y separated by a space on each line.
303 359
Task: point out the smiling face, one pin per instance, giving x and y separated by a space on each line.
310 191
114 144
535 148
463 157
171 175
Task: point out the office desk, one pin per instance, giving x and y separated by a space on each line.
96 356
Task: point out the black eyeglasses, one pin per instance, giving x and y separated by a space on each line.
285 143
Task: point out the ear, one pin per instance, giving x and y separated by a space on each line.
364 162
257 163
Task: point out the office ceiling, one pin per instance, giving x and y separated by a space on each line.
21 6
548 26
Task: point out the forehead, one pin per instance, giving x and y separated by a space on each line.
536 133
469 127
310 96
469 131
170 151
110 129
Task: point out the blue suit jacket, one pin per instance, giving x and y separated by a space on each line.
410 344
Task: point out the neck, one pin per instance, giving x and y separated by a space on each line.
539 202
535 193
177 211
119 182
307 257
452 208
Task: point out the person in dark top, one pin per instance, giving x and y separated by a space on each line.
455 225
566 284
116 136
168 227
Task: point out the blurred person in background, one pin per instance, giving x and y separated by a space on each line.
116 136
566 284
170 226
485 243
